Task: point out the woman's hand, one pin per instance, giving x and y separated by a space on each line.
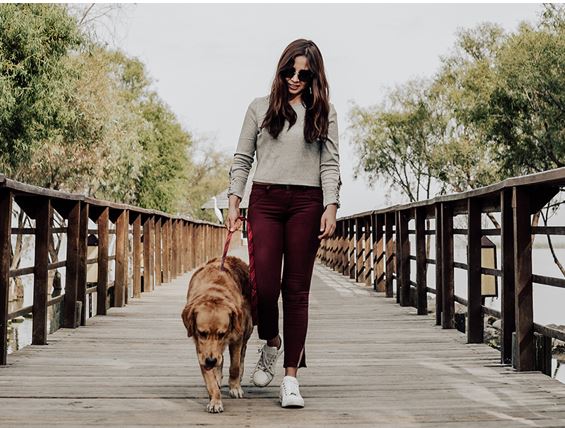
328 222
233 222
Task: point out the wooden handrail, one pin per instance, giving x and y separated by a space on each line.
385 231
172 245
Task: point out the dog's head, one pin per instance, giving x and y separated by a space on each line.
211 321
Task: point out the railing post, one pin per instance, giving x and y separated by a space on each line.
404 272
523 280
102 286
182 246
338 257
421 280
439 263
335 247
474 305
368 222
137 255
5 254
43 220
389 249
166 252
120 283
171 249
507 307
189 253
186 246
378 252
345 249
152 251
147 269
448 294
359 265
397 254
206 242
178 253
158 253
71 267
82 266
192 245
351 249
179 247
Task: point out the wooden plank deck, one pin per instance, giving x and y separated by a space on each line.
370 363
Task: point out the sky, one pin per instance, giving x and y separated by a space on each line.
208 61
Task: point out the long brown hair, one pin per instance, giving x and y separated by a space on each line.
315 95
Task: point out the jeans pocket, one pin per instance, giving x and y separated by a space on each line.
316 195
257 193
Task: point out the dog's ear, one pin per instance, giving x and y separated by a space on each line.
188 317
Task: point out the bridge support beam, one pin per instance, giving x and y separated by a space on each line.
158 253
448 290
137 255
421 266
121 282
43 220
360 250
378 252
403 246
389 251
367 226
525 351
5 255
71 267
82 258
103 241
474 306
439 264
507 307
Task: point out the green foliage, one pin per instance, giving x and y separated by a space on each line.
395 140
34 41
79 117
494 109
526 113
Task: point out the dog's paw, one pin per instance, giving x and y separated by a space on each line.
215 406
236 392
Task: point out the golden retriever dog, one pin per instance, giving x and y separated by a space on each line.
218 314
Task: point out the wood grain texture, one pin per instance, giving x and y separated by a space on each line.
370 363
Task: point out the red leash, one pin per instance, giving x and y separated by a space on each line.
252 291
227 244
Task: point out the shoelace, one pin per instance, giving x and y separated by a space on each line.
291 388
265 363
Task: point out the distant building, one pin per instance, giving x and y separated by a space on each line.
223 203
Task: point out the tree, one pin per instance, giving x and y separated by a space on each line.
526 111
34 42
395 140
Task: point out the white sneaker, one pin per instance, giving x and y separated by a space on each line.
265 369
289 395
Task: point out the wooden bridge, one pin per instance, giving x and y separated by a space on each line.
371 362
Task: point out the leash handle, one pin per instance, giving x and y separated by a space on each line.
227 244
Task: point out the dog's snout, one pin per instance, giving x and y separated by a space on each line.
210 362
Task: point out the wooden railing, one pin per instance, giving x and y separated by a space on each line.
162 248
374 247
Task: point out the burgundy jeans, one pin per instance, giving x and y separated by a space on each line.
284 220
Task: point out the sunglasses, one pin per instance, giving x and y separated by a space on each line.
303 75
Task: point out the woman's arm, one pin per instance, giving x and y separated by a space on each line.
330 176
241 164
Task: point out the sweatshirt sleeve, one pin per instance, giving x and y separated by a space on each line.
329 162
244 153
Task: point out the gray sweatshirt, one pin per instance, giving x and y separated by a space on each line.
289 159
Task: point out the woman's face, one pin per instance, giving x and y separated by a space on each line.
295 86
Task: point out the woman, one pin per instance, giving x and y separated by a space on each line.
292 205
